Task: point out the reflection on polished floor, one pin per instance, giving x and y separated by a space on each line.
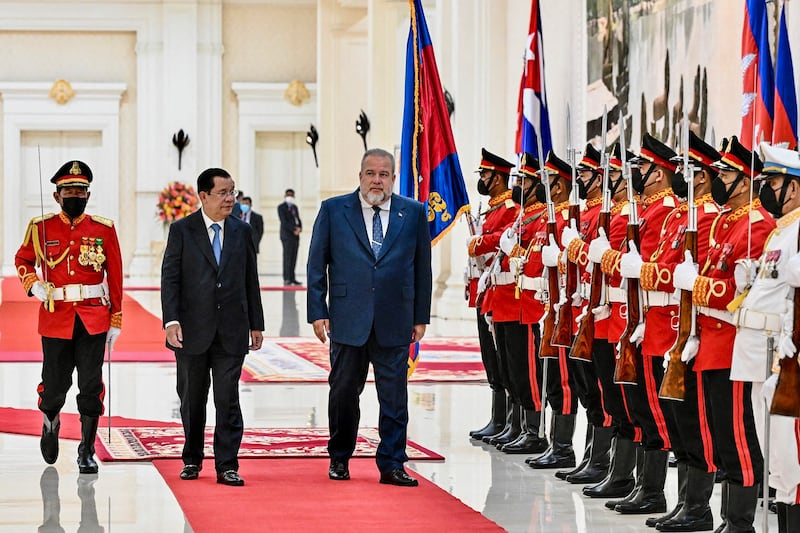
133 497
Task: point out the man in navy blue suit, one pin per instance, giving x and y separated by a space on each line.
369 292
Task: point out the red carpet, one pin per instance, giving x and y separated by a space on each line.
142 338
29 422
296 495
295 359
148 443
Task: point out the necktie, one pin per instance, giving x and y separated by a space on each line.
377 230
215 244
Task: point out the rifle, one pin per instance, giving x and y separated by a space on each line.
625 369
472 224
562 336
674 385
786 400
584 340
546 348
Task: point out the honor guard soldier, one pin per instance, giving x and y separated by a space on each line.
494 172
80 287
768 310
737 236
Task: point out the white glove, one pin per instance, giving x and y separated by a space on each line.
466 275
562 299
515 264
787 347
601 312
550 253
508 240
792 270
690 349
111 337
483 282
489 321
638 334
569 233
768 389
685 273
580 317
598 246
630 264
577 299
39 290
744 273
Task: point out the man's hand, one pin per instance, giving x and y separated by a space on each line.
685 273
508 240
322 328
483 282
39 290
418 333
256 338
568 234
175 336
630 264
111 337
598 246
550 253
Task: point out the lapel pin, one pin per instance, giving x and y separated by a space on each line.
400 214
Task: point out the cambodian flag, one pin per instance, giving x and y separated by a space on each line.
784 129
532 116
757 75
429 167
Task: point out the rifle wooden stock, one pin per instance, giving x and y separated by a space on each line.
625 369
674 385
786 400
584 340
562 336
546 348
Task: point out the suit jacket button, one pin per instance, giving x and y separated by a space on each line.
219 285
219 306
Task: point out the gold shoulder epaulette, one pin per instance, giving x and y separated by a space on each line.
510 204
756 216
46 216
626 210
103 220
669 201
710 207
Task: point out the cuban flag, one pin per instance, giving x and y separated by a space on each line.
757 76
429 167
784 130
532 117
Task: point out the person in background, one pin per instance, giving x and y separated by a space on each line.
255 220
237 205
291 226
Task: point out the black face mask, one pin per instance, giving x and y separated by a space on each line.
679 185
583 188
722 193
639 181
772 203
517 194
483 187
73 206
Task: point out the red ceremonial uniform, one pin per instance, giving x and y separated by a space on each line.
81 252
617 238
530 309
577 253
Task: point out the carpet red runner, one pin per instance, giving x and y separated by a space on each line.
296 495
142 338
29 422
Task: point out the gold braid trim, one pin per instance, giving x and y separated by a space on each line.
610 261
28 280
743 210
116 320
648 276
618 207
593 202
562 268
700 291
657 196
573 250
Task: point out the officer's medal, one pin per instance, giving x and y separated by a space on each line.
92 253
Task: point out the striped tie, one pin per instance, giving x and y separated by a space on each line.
377 230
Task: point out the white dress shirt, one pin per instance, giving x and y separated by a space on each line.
208 222
367 211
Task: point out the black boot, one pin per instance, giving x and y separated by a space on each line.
742 502
788 517
619 479
587 453
560 453
650 498
86 462
683 474
528 441
637 486
695 515
497 421
597 467
49 441
723 510
511 431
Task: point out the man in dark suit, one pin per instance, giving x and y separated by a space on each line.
255 220
371 250
291 226
211 306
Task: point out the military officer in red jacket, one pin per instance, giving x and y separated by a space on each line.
80 287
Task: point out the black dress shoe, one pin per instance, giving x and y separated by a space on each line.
49 441
295 282
398 477
338 471
230 477
190 472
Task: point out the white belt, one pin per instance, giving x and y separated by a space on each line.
532 284
657 298
77 293
749 318
504 278
473 272
617 295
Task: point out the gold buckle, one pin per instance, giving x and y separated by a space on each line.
73 292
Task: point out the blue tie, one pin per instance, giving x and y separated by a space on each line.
377 230
215 245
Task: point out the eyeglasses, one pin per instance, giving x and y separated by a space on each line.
224 194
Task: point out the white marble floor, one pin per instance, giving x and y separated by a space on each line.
133 497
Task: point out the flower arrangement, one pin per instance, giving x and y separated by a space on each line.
176 201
